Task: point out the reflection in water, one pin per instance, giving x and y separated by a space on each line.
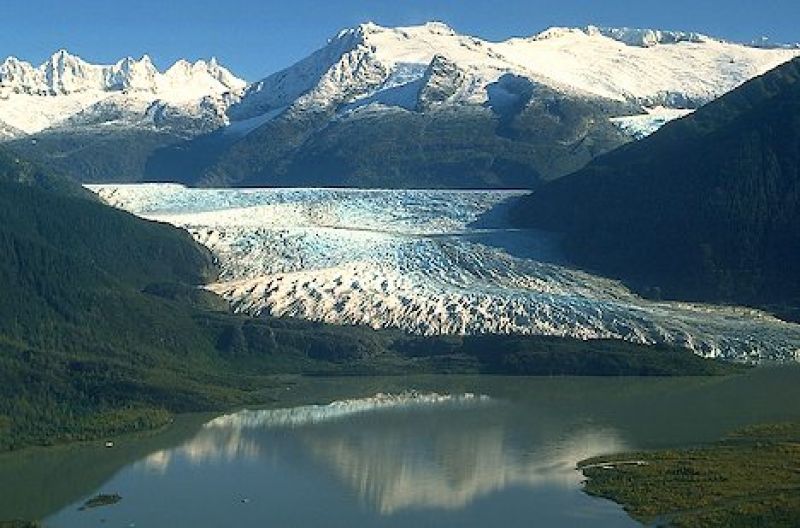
432 458
390 474
208 446
410 450
311 414
222 438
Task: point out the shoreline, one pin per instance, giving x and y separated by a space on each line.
748 477
90 465
275 396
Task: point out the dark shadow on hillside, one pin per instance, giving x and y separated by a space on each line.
494 229
186 161
507 98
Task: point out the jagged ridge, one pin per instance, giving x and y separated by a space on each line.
36 98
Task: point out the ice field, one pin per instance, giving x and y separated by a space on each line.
428 262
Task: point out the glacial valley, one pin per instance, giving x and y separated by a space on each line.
431 263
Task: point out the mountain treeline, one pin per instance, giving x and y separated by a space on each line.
544 136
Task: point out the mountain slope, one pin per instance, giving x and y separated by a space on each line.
73 323
419 106
424 106
706 208
102 330
650 67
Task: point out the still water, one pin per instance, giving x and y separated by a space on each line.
431 451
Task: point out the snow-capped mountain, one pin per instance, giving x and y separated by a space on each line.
426 106
419 106
646 67
66 90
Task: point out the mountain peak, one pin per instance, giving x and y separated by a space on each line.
62 58
203 71
366 29
358 32
437 26
180 64
61 55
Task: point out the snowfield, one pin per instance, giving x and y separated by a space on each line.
428 262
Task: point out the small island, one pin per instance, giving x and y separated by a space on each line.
101 499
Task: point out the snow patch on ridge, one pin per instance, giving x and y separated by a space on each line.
642 125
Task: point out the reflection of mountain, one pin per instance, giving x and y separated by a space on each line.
512 457
391 471
405 452
207 446
311 414
223 438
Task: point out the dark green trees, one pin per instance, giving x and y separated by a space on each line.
707 208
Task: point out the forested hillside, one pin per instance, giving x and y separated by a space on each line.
707 208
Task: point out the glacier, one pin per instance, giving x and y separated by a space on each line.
430 262
642 125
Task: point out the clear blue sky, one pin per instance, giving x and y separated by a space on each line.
257 37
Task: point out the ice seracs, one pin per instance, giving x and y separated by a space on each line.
427 262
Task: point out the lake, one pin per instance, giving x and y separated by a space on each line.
422 451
